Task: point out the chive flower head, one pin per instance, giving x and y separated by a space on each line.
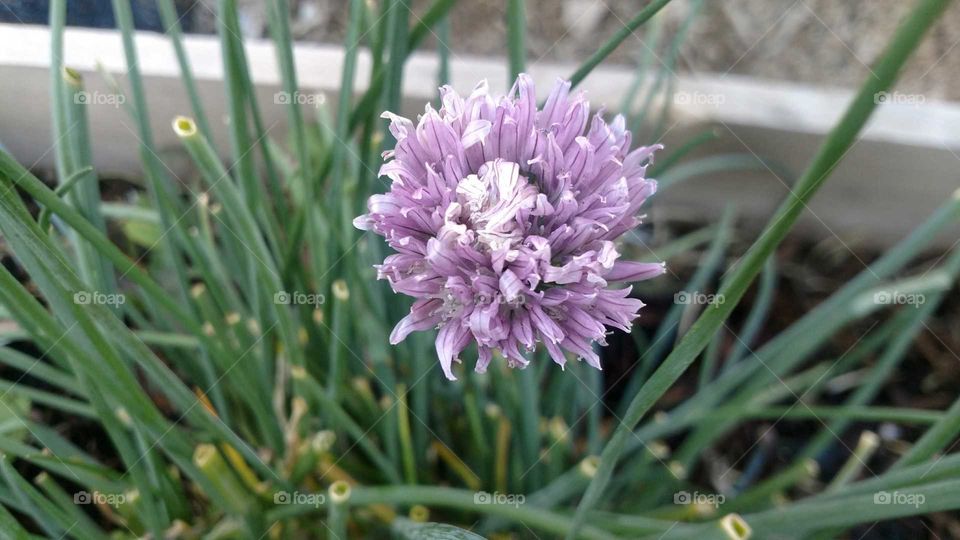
504 218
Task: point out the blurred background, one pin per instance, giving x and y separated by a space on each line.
771 77
823 42
760 81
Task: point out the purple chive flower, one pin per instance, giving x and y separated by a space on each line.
504 218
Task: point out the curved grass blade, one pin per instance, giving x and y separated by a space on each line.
834 148
611 44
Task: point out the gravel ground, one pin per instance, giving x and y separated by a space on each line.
824 42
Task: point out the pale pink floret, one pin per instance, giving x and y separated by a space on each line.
504 219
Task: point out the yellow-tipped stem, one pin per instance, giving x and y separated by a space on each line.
866 446
588 466
503 451
229 491
338 510
340 492
406 440
456 465
72 77
419 513
735 528
329 470
184 127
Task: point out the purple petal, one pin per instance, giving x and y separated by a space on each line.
634 271
475 132
451 339
504 220
423 315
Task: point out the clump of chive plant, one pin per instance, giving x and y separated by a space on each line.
504 217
